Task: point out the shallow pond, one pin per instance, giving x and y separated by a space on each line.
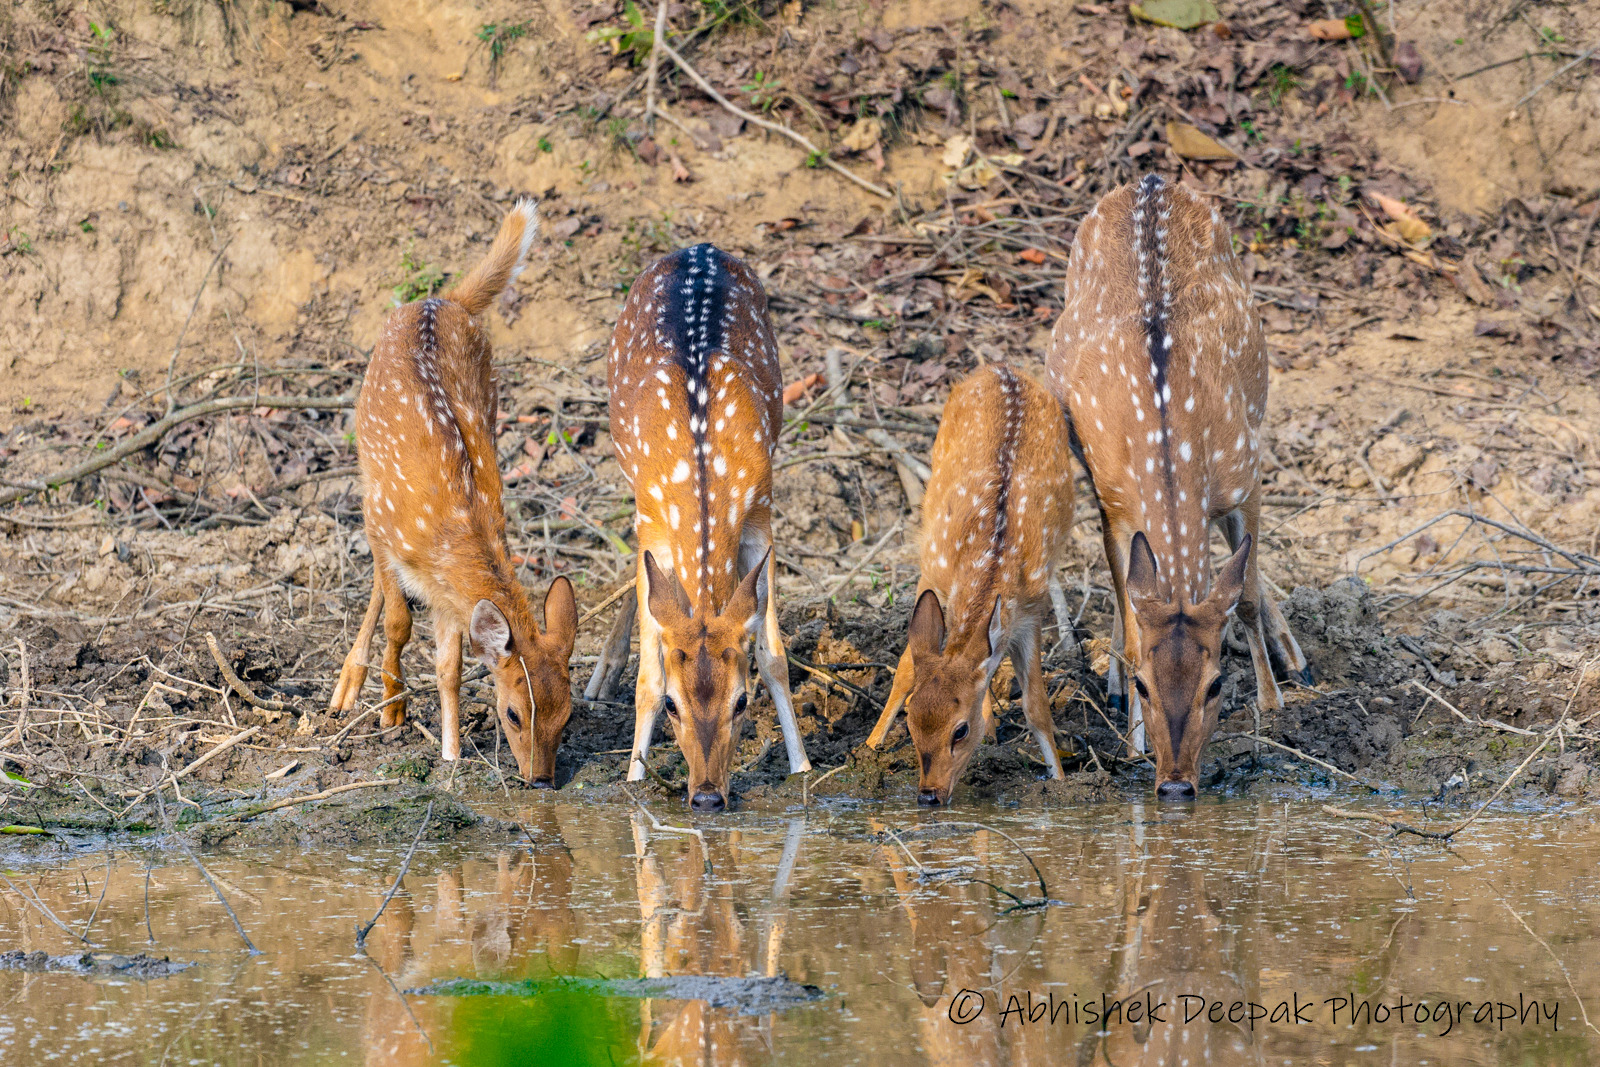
1204 917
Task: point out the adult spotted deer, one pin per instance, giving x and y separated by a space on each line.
696 404
1159 359
425 436
994 522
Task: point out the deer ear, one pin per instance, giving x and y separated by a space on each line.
749 602
561 614
665 599
997 633
491 634
1140 580
926 633
1230 580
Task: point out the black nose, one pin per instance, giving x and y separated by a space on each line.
708 802
928 799
1174 791
543 783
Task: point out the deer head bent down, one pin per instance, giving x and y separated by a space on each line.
1161 364
995 519
425 437
696 403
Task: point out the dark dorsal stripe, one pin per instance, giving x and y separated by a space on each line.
1151 212
1011 393
428 324
699 285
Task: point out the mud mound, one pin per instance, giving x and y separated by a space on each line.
1342 634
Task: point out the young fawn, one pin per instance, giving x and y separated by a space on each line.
1160 362
425 433
696 404
994 523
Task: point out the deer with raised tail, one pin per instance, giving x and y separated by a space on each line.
994 523
1159 359
425 437
696 405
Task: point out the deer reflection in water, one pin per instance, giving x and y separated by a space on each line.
489 921
1173 942
691 924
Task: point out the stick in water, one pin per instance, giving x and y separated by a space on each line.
362 930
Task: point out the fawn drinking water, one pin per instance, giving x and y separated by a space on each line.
696 405
994 523
1159 359
425 433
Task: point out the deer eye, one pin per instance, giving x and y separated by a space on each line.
671 707
959 733
1215 689
1144 692
741 704
513 718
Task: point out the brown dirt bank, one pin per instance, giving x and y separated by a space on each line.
238 191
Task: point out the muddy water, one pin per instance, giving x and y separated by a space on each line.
1194 915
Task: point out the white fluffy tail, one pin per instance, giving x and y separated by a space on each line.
503 263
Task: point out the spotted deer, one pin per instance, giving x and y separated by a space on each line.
696 404
994 522
425 437
1159 359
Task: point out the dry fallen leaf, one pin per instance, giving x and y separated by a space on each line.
680 173
1032 255
955 150
1190 143
1406 223
862 136
797 389
1471 283
1180 14
1329 30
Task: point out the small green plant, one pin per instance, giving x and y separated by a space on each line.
544 145
763 90
1250 130
1356 82
159 139
635 39
19 241
814 160
1549 36
86 226
1356 25
879 324
99 56
1280 80
418 280
498 37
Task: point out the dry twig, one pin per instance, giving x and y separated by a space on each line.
814 153
363 929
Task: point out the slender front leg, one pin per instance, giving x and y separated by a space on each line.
614 657
397 631
647 691
1124 639
447 666
1282 645
773 666
354 673
1058 602
1035 698
1246 519
904 676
